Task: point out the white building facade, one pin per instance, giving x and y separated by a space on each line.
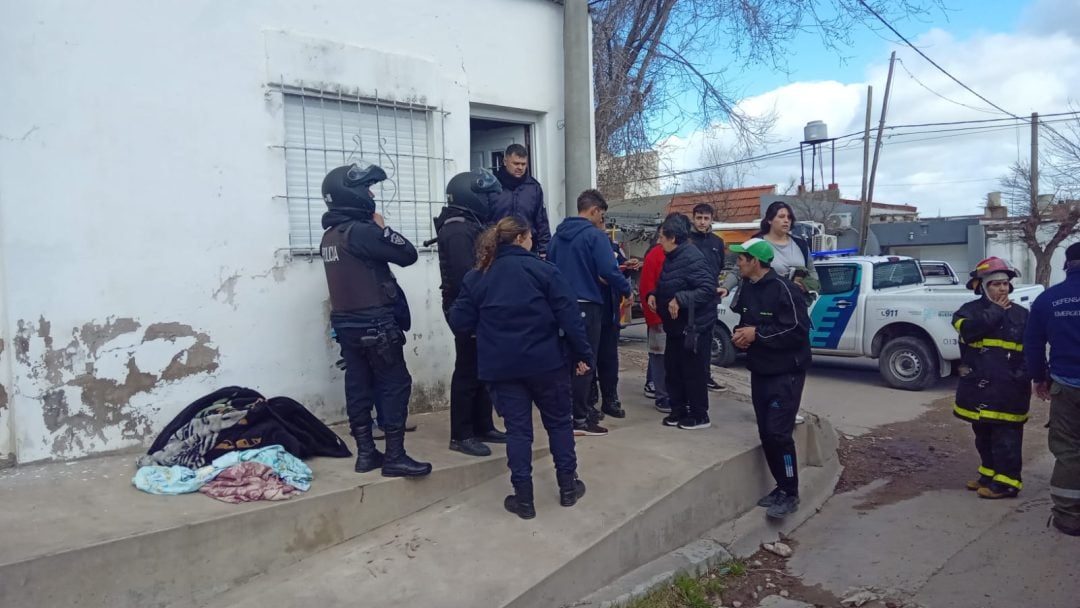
160 172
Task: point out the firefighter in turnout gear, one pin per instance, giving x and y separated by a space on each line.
369 315
994 391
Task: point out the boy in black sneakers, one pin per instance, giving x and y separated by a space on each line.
684 298
774 330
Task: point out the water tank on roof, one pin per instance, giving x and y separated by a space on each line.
815 131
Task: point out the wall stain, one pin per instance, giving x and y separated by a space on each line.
3 391
227 291
326 532
57 374
429 397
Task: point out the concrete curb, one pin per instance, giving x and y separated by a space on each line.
744 533
194 561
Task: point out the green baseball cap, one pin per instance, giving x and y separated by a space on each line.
757 248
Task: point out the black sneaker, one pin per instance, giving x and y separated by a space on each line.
671 419
663 406
1061 527
784 505
715 386
470 447
769 499
613 409
693 423
650 390
588 429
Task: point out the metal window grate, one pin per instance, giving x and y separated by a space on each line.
325 130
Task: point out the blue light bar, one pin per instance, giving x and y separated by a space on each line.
821 254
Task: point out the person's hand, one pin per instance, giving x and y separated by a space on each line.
379 221
673 308
582 368
1003 301
722 292
651 302
633 264
1042 390
744 337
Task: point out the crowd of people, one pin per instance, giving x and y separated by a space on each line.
535 319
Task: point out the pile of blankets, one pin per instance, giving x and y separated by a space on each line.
236 445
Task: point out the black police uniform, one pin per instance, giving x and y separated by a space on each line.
367 314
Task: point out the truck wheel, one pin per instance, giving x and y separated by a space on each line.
908 363
723 351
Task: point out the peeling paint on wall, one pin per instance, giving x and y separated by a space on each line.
428 397
86 386
227 291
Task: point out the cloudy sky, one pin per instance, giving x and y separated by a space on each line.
1022 55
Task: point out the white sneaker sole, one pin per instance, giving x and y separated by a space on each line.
695 427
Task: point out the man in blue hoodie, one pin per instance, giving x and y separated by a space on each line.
582 252
1055 318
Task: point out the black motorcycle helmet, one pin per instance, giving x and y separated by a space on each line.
349 186
469 192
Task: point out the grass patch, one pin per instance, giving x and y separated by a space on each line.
689 592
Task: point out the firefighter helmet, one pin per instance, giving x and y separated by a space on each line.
991 269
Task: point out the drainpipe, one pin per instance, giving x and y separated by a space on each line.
580 172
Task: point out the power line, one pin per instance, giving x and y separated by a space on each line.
932 62
933 92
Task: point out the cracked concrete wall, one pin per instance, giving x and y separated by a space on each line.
165 274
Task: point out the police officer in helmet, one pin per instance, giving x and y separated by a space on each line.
369 314
458 227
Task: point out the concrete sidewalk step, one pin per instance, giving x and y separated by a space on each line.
651 489
79 534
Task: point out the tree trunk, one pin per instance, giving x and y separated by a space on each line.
1042 266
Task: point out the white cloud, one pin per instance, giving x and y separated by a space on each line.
1031 70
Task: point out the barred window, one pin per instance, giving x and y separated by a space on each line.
326 130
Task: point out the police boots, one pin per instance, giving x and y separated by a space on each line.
520 503
397 463
368 458
570 488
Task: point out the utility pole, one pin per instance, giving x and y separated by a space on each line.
864 228
1034 164
866 152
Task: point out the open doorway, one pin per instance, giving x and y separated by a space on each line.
490 138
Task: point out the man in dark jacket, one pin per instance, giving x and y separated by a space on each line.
367 312
774 330
457 228
683 297
1055 318
712 247
522 196
582 252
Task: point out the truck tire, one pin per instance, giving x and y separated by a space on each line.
723 351
908 363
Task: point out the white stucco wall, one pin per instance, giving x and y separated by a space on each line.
1007 246
144 257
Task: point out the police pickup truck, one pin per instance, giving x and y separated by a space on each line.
879 307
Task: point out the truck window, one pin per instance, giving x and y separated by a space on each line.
836 278
896 274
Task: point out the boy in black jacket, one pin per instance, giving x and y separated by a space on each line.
774 329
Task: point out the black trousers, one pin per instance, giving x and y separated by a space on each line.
776 401
1000 446
591 314
550 391
375 375
686 376
607 361
470 403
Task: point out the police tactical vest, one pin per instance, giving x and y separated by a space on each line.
354 283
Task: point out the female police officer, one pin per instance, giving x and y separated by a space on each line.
516 304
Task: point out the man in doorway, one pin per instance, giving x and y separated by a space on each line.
712 247
521 196
582 253
774 330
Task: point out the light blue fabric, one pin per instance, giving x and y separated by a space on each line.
174 480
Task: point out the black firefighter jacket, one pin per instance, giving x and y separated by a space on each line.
776 309
994 382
